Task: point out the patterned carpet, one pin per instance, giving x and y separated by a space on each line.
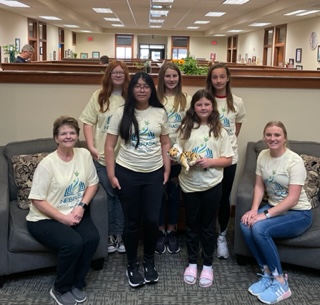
110 287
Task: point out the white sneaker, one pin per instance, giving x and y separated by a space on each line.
112 246
120 244
222 247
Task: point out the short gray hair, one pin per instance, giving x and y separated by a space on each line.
27 48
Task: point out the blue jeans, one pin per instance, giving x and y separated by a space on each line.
259 238
115 213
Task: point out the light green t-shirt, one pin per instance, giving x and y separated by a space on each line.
62 183
100 120
279 173
147 157
229 120
198 179
175 118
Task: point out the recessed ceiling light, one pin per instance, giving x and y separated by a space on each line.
112 19
70 26
295 13
155 26
308 13
259 24
85 31
163 1
237 2
192 27
215 14
156 20
13 3
156 12
118 25
235 31
50 17
103 10
219 35
201 22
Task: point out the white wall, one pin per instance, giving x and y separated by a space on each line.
298 35
30 110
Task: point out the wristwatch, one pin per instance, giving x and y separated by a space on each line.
266 212
82 204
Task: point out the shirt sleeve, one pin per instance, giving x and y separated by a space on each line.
90 113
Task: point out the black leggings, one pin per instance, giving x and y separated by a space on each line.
140 196
224 207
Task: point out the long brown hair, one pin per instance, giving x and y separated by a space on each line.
107 85
191 120
210 87
180 100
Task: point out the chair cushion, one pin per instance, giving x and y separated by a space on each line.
20 240
23 171
312 183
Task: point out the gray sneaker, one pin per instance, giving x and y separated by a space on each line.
79 294
66 298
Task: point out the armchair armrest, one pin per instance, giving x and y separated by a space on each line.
4 212
99 215
244 196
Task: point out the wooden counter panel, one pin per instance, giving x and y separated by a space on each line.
47 77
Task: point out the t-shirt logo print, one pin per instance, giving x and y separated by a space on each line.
73 192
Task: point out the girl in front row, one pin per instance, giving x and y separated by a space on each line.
201 132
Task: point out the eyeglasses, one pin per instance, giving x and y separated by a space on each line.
117 73
144 87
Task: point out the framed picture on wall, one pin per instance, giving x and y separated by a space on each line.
318 54
83 55
299 67
298 55
17 44
95 54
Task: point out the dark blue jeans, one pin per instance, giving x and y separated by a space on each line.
141 197
75 245
259 238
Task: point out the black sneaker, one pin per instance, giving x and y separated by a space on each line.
135 278
150 272
161 243
172 243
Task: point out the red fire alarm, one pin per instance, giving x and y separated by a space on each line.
213 42
90 38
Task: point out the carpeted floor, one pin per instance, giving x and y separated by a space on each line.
110 286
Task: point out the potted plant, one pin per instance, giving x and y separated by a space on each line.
11 50
75 55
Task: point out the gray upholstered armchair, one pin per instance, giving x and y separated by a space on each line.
303 250
19 251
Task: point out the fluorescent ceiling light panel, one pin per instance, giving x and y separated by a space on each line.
235 31
156 20
162 1
155 26
102 10
201 22
214 14
50 18
156 12
308 13
118 25
85 31
192 27
112 19
295 12
70 26
259 24
219 35
13 3
236 2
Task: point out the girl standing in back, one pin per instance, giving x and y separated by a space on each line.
201 132
176 104
232 115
